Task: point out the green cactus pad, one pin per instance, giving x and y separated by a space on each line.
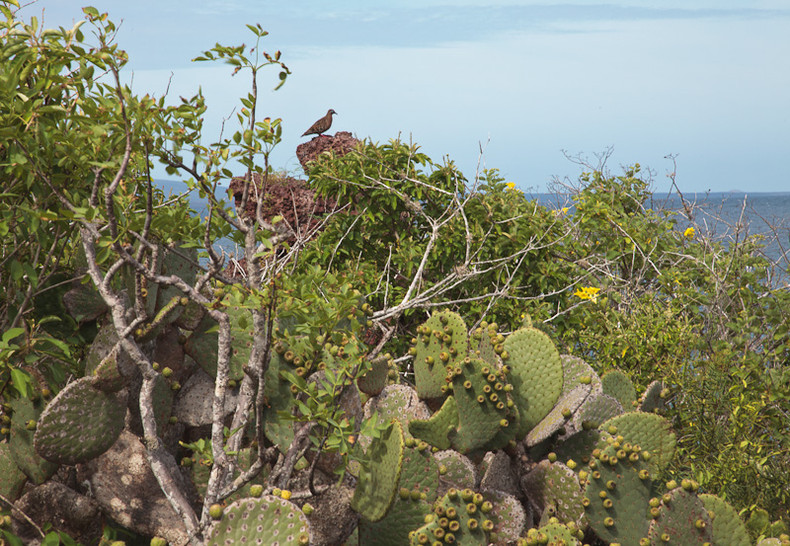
420 472
579 446
379 474
556 418
551 533
649 431
576 371
107 375
437 430
279 398
84 303
267 520
508 516
441 341
484 348
728 528
682 519
455 470
12 479
536 375
627 487
183 263
453 515
619 386
20 443
80 423
557 486
201 345
482 409
596 410
397 402
375 379
393 530
652 399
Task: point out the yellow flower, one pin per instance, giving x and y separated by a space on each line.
511 185
587 293
689 233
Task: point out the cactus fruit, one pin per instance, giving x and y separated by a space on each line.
441 342
727 527
265 520
80 423
536 375
379 474
619 386
457 519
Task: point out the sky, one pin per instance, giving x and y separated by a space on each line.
519 86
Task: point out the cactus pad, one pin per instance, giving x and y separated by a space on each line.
682 519
12 480
557 417
456 470
21 442
437 430
595 410
507 514
379 474
375 379
458 514
536 375
557 486
619 386
649 431
617 497
267 520
80 423
653 398
441 341
727 525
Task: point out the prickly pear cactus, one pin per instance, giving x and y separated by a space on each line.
619 386
654 397
552 533
80 423
23 421
559 415
595 410
455 470
438 429
553 489
649 431
681 519
616 495
12 479
266 520
459 517
484 407
536 374
727 525
379 474
440 343
376 378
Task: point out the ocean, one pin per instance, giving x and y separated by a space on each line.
723 215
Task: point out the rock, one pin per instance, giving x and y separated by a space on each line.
340 144
65 509
125 488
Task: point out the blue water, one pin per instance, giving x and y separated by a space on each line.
723 215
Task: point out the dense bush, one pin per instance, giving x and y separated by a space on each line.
107 283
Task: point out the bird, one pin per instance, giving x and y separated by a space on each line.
322 125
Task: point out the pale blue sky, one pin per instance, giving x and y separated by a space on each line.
706 80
